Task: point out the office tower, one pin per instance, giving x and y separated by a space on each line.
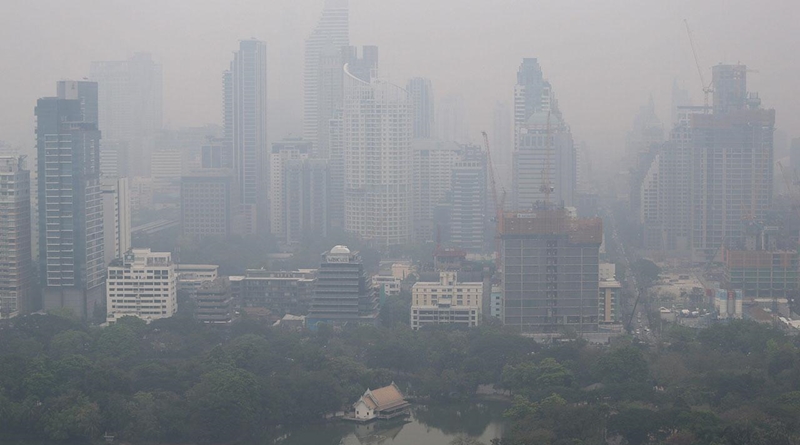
16 262
550 272
376 123
502 140
245 115
130 111
451 119
322 72
420 92
281 292
343 293
539 160
305 198
531 94
283 151
70 200
432 175
447 301
142 284
732 163
209 203
468 201
116 217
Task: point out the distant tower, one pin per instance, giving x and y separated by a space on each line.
130 111
16 275
529 92
422 105
245 113
324 47
451 119
71 212
502 143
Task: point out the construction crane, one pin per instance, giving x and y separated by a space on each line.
498 203
707 88
547 187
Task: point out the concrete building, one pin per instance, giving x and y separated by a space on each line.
305 198
321 90
377 148
502 139
192 276
282 152
446 302
420 91
245 128
116 218
142 284
70 203
550 272
641 145
760 269
388 286
214 304
432 178
281 292
608 271
532 94
610 300
343 292
209 203
130 112
469 203
16 261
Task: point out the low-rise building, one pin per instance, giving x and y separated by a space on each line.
192 276
446 302
141 284
214 304
609 303
381 403
388 285
282 292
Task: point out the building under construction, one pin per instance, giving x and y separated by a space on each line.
550 272
761 269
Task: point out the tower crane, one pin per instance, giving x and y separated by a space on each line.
706 88
498 203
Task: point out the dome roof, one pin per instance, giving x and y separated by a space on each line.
340 250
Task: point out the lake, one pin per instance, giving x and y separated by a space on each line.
435 424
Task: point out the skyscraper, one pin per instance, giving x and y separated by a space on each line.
70 200
531 93
451 119
209 203
321 90
468 200
305 188
432 177
130 111
16 263
420 91
376 124
116 217
245 115
282 152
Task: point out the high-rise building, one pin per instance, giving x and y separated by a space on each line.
468 214
376 123
452 120
116 217
432 176
323 72
209 203
305 187
130 111
531 93
420 91
16 262
70 200
245 116
142 284
550 272
343 293
282 152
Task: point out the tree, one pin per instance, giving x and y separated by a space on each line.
224 405
621 365
71 417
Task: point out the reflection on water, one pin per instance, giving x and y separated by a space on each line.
426 425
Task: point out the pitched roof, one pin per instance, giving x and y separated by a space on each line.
384 398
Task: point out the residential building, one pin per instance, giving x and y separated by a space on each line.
377 147
321 81
245 130
420 92
281 292
446 302
116 217
70 203
343 292
282 152
209 203
432 176
130 111
142 284
550 272
16 261
305 198
610 301
468 198
388 286
214 304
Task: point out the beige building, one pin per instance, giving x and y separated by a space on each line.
610 295
142 284
446 302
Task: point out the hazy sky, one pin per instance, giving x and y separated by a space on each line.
603 58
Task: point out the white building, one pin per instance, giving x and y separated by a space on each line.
116 217
192 276
446 302
282 152
432 180
390 285
142 284
377 149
